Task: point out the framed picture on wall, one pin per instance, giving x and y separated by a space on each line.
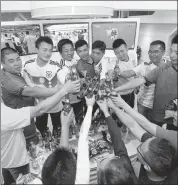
109 31
72 31
20 37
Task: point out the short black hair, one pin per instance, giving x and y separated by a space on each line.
98 44
159 42
118 42
174 40
80 43
119 172
5 34
161 156
27 32
59 167
63 42
6 51
41 39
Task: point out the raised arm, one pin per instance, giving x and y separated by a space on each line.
114 130
140 119
127 74
66 120
131 84
33 91
52 101
127 120
152 128
83 163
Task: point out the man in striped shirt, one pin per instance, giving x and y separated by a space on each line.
145 96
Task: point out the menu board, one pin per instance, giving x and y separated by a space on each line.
109 31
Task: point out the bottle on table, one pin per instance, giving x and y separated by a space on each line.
32 150
59 134
56 136
49 135
35 165
40 140
70 132
47 143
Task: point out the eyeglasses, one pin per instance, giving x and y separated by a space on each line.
155 52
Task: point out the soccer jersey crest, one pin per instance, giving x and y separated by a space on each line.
48 74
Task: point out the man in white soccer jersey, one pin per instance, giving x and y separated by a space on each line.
43 72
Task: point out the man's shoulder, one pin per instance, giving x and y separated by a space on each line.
29 62
132 53
104 60
55 63
165 66
6 76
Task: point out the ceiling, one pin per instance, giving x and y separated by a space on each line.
26 16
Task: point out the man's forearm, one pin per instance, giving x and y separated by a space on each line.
83 163
131 84
64 141
127 74
115 133
47 104
86 123
127 120
39 92
141 120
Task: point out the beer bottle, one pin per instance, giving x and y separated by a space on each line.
32 150
116 72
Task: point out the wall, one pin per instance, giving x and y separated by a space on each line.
151 32
147 34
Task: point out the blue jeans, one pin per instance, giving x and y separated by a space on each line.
11 174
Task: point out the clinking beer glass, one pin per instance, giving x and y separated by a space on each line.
116 72
74 75
67 105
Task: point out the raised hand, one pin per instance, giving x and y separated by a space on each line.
110 104
66 120
103 105
90 101
118 101
72 86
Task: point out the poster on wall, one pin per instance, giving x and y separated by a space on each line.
109 31
73 31
20 37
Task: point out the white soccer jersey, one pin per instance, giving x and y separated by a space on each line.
46 76
65 69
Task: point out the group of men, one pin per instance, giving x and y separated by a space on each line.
40 88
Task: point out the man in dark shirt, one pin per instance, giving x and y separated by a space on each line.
85 63
157 155
117 170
